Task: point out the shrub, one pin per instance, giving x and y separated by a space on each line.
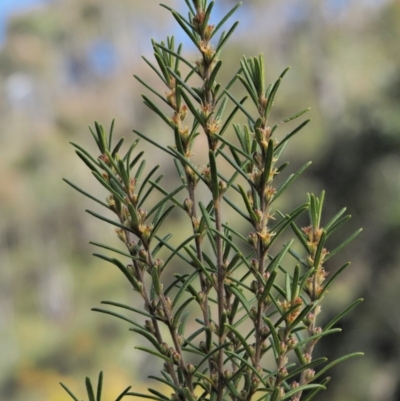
256 292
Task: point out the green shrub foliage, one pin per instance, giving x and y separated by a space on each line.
252 298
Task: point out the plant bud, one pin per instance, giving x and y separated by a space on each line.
176 357
188 206
309 375
283 372
142 215
255 381
317 330
165 349
175 397
213 327
168 302
307 358
252 239
253 313
180 339
190 368
148 325
160 313
203 347
291 343
259 214
214 378
252 350
264 346
227 374
143 255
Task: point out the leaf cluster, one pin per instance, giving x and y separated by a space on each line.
257 297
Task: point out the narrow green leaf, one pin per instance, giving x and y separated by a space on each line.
155 70
300 236
236 208
147 396
276 261
114 223
186 86
343 313
159 222
268 162
329 283
193 109
130 308
182 323
271 98
343 244
69 391
305 311
301 368
151 89
303 388
294 116
249 208
210 354
85 193
163 67
295 131
185 285
245 344
225 18
335 362
89 389
99 383
289 181
320 247
240 106
111 313
295 283
110 136
165 199
186 26
268 286
312 394
181 309
239 295
214 175
117 147
275 338
317 336
197 263
250 89
86 160
178 57
156 144
275 394
158 394
157 110
213 75
123 269
148 336
335 219
155 353
250 366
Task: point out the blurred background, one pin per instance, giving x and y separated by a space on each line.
66 63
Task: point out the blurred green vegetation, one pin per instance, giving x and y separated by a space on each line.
70 62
